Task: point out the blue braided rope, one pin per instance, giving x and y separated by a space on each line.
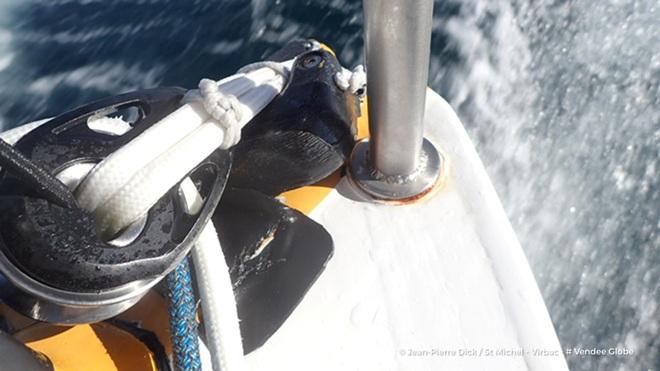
183 323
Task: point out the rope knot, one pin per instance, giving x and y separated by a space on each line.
354 81
224 108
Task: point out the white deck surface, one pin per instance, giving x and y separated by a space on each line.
447 275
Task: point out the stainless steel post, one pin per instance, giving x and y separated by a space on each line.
398 162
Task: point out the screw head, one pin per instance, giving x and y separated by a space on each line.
311 61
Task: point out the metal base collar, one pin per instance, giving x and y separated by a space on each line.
395 188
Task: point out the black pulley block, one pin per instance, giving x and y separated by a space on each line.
62 269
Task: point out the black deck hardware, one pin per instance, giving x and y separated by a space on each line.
274 254
305 134
60 247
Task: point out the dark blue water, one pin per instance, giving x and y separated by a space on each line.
560 97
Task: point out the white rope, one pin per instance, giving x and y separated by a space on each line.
134 198
136 154
205 356
223 334
123 187
224 109
12 136
354 81
283 68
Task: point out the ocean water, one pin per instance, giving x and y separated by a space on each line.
561 98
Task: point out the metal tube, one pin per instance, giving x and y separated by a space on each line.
397 163
398 43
